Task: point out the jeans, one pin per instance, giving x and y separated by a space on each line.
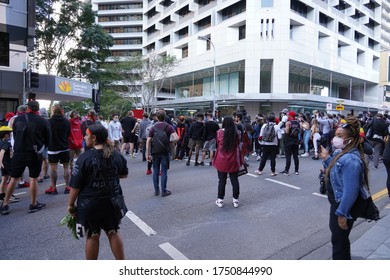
341 246
291 150
269 151
378 148
222 177
160 162
306 139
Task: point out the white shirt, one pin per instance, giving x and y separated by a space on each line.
115 131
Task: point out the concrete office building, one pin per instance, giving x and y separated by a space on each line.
384 81
17 30
269 54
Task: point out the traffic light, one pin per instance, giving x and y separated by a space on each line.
34 80
95 96
96 107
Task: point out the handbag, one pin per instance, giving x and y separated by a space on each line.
364 208
243 170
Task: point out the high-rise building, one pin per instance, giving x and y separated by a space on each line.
384 80
17 30
122 19
269 54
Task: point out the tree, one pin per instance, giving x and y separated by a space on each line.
139 79
68 41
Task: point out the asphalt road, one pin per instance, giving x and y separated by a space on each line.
282 217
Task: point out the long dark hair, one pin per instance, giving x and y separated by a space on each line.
230 138
353 130
101 135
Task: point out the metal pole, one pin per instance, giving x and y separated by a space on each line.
24 97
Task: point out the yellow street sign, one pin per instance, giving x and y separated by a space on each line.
340 107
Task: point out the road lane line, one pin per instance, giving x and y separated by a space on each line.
172 252
19 193
59 185
320 195
379 194
252 175
284 184
141 224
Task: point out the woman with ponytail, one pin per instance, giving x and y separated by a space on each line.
94 182
346 178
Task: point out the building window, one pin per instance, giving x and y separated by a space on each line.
241 32
267 3
4 49
184 52
233 10
266 75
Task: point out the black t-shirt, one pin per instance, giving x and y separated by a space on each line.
98 177
6 146
128 124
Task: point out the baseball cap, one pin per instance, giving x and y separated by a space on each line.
285 111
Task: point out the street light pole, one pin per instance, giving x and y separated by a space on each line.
208 39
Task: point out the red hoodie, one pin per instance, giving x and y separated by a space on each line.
76 137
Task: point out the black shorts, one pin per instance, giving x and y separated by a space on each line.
63 158
22 160
5 171
95 215
129 138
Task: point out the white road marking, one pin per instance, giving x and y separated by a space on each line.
59 185
139 223
252 175
19 193
320 195
172 252
284 184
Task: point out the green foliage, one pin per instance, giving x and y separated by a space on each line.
69 41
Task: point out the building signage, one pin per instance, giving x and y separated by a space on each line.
66 86
340 107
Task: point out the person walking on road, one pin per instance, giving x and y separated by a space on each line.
75 139
157 150
269 138
94 182
209 136
115 132
31 134
145 122
58 148
128 124
228 160
195 135
291 143
346 178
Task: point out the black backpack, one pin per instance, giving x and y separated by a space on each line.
160 142
269 133
295 129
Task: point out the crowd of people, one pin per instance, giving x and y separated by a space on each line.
34 141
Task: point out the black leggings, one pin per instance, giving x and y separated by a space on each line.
222 177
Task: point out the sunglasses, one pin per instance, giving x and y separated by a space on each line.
346 125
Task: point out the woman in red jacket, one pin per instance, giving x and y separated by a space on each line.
228 160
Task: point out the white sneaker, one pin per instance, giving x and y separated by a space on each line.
305 155
219 203
258 172
235 203
258 158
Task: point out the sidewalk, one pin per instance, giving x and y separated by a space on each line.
374 244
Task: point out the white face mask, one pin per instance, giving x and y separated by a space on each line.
338 142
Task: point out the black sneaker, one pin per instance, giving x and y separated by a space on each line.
188 163
196 163
156 193
165 193
13 199
285 173
38 206
201 163
4 209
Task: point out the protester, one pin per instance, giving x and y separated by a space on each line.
195 135
75 139
145 122
386 162
115 132
228 160
58 148
31 134
209 137
291 143
45 156
346 178
128 124
90 120
269 138
94 182
5 161
160 157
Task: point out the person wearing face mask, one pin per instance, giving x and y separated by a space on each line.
115 132
346 178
